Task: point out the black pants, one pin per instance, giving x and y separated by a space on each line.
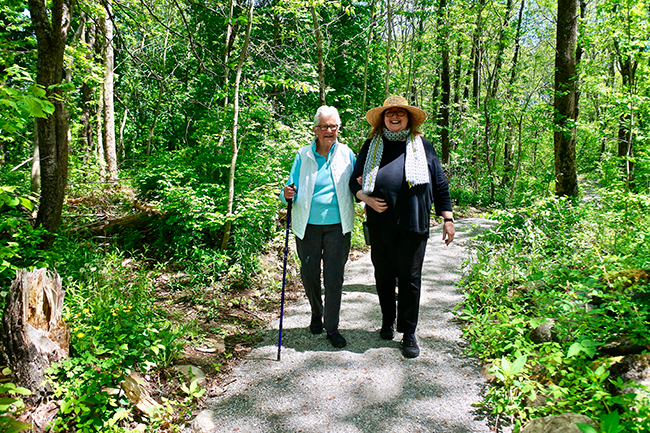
397 257
328 244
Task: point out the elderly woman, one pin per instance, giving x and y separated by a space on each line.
398 176
323 216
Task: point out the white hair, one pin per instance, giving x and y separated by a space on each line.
326 111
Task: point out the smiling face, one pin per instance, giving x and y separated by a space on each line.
326 136
396 119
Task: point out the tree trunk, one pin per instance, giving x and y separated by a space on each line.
53 131
627 65
368 48
389 40
491 129
120 142
33 334
319 54
443 119
477 51
100 143
476 54
457 71
508 147
109 107
36 167
564 138
87 97
161 89
503 35
226 51
416 55
235 127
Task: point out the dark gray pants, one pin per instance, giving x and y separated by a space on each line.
328 244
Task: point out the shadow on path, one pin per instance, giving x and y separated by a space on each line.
368 386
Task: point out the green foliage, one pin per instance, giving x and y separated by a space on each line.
19 241
21 102
580 266
11 405
83 384
193 391
115 328
609 423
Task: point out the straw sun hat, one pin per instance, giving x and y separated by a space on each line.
374 116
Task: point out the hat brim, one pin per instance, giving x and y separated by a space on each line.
417 115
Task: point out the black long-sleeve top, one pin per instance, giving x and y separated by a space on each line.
409 209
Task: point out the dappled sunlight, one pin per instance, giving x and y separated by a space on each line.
368 386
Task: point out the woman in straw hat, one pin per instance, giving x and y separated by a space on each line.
398 176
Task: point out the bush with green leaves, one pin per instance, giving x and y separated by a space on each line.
574 264
19 241
21 99
191 198
11 405
115 328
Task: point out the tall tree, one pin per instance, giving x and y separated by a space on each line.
367 52
51 28
626 50
476 59
110 154
389 42
235 126
86 133
226 50
443 118
565 101
319 54
508 147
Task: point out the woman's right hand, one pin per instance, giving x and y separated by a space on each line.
289 192
378 204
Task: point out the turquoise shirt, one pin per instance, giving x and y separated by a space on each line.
324 203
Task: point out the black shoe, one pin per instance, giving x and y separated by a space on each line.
316 325
410 347
336 339
387 332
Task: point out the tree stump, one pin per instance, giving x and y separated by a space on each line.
33 334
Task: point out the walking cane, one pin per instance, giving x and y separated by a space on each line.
284 271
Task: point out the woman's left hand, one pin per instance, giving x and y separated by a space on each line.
448 232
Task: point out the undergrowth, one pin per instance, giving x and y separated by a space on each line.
582 269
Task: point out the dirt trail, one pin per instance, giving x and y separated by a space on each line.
368 386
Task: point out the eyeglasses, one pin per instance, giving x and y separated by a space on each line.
326 127
398 113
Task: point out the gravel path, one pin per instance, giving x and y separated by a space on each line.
368 386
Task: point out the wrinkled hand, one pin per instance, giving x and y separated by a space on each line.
378 204
289 192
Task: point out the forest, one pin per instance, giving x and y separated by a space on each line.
143 145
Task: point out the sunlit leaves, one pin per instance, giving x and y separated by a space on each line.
21 100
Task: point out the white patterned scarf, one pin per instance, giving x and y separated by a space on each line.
415 164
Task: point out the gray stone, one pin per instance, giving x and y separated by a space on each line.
543 333
191 372
621 346
565 423
203 423
632 368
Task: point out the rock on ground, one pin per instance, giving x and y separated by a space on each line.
565 423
